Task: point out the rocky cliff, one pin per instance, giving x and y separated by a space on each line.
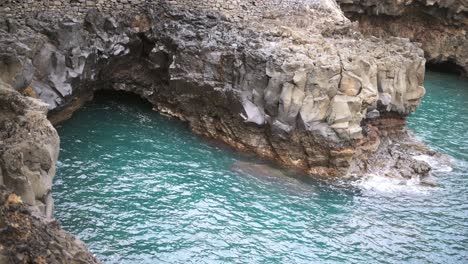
439 25
28 151
29 147
299 86
297 90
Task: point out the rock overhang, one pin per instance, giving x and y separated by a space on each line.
304 74
297 85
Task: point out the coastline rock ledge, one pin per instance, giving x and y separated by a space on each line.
292 81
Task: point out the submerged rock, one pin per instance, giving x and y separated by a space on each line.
280 180
257 170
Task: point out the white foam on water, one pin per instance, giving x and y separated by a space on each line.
437 164
382 184
143 118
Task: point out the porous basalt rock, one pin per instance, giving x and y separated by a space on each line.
28 151
238 10
25 238
29 147
439 25
303 88
294 89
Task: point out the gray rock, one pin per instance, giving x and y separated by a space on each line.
444 38
30 147
288 92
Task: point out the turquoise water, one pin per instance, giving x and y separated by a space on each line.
138 187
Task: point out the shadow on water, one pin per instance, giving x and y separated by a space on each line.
291 182
441 118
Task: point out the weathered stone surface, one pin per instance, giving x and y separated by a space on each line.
238 10
393 152
439 25
298 87
269 87
26 238
29 147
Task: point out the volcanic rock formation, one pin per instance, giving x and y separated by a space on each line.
303 87
439 25
29 148
295 89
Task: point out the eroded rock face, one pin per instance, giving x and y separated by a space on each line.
439 25
304 88
294 88
25 238
29 147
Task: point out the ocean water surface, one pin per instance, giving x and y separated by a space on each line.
139 187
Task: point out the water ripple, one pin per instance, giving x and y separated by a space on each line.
152 192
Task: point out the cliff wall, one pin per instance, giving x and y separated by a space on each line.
440 26
29 147
300 86
296 88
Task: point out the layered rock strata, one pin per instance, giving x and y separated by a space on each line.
439 25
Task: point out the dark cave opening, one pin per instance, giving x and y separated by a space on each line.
102 95
445 67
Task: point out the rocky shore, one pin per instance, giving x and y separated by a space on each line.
29 147
440 26
302 87
296 90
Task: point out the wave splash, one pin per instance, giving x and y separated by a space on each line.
376 183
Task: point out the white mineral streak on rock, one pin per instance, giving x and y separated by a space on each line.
254 114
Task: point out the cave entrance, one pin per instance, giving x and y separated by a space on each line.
103 95
445 67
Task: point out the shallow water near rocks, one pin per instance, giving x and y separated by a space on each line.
139 187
